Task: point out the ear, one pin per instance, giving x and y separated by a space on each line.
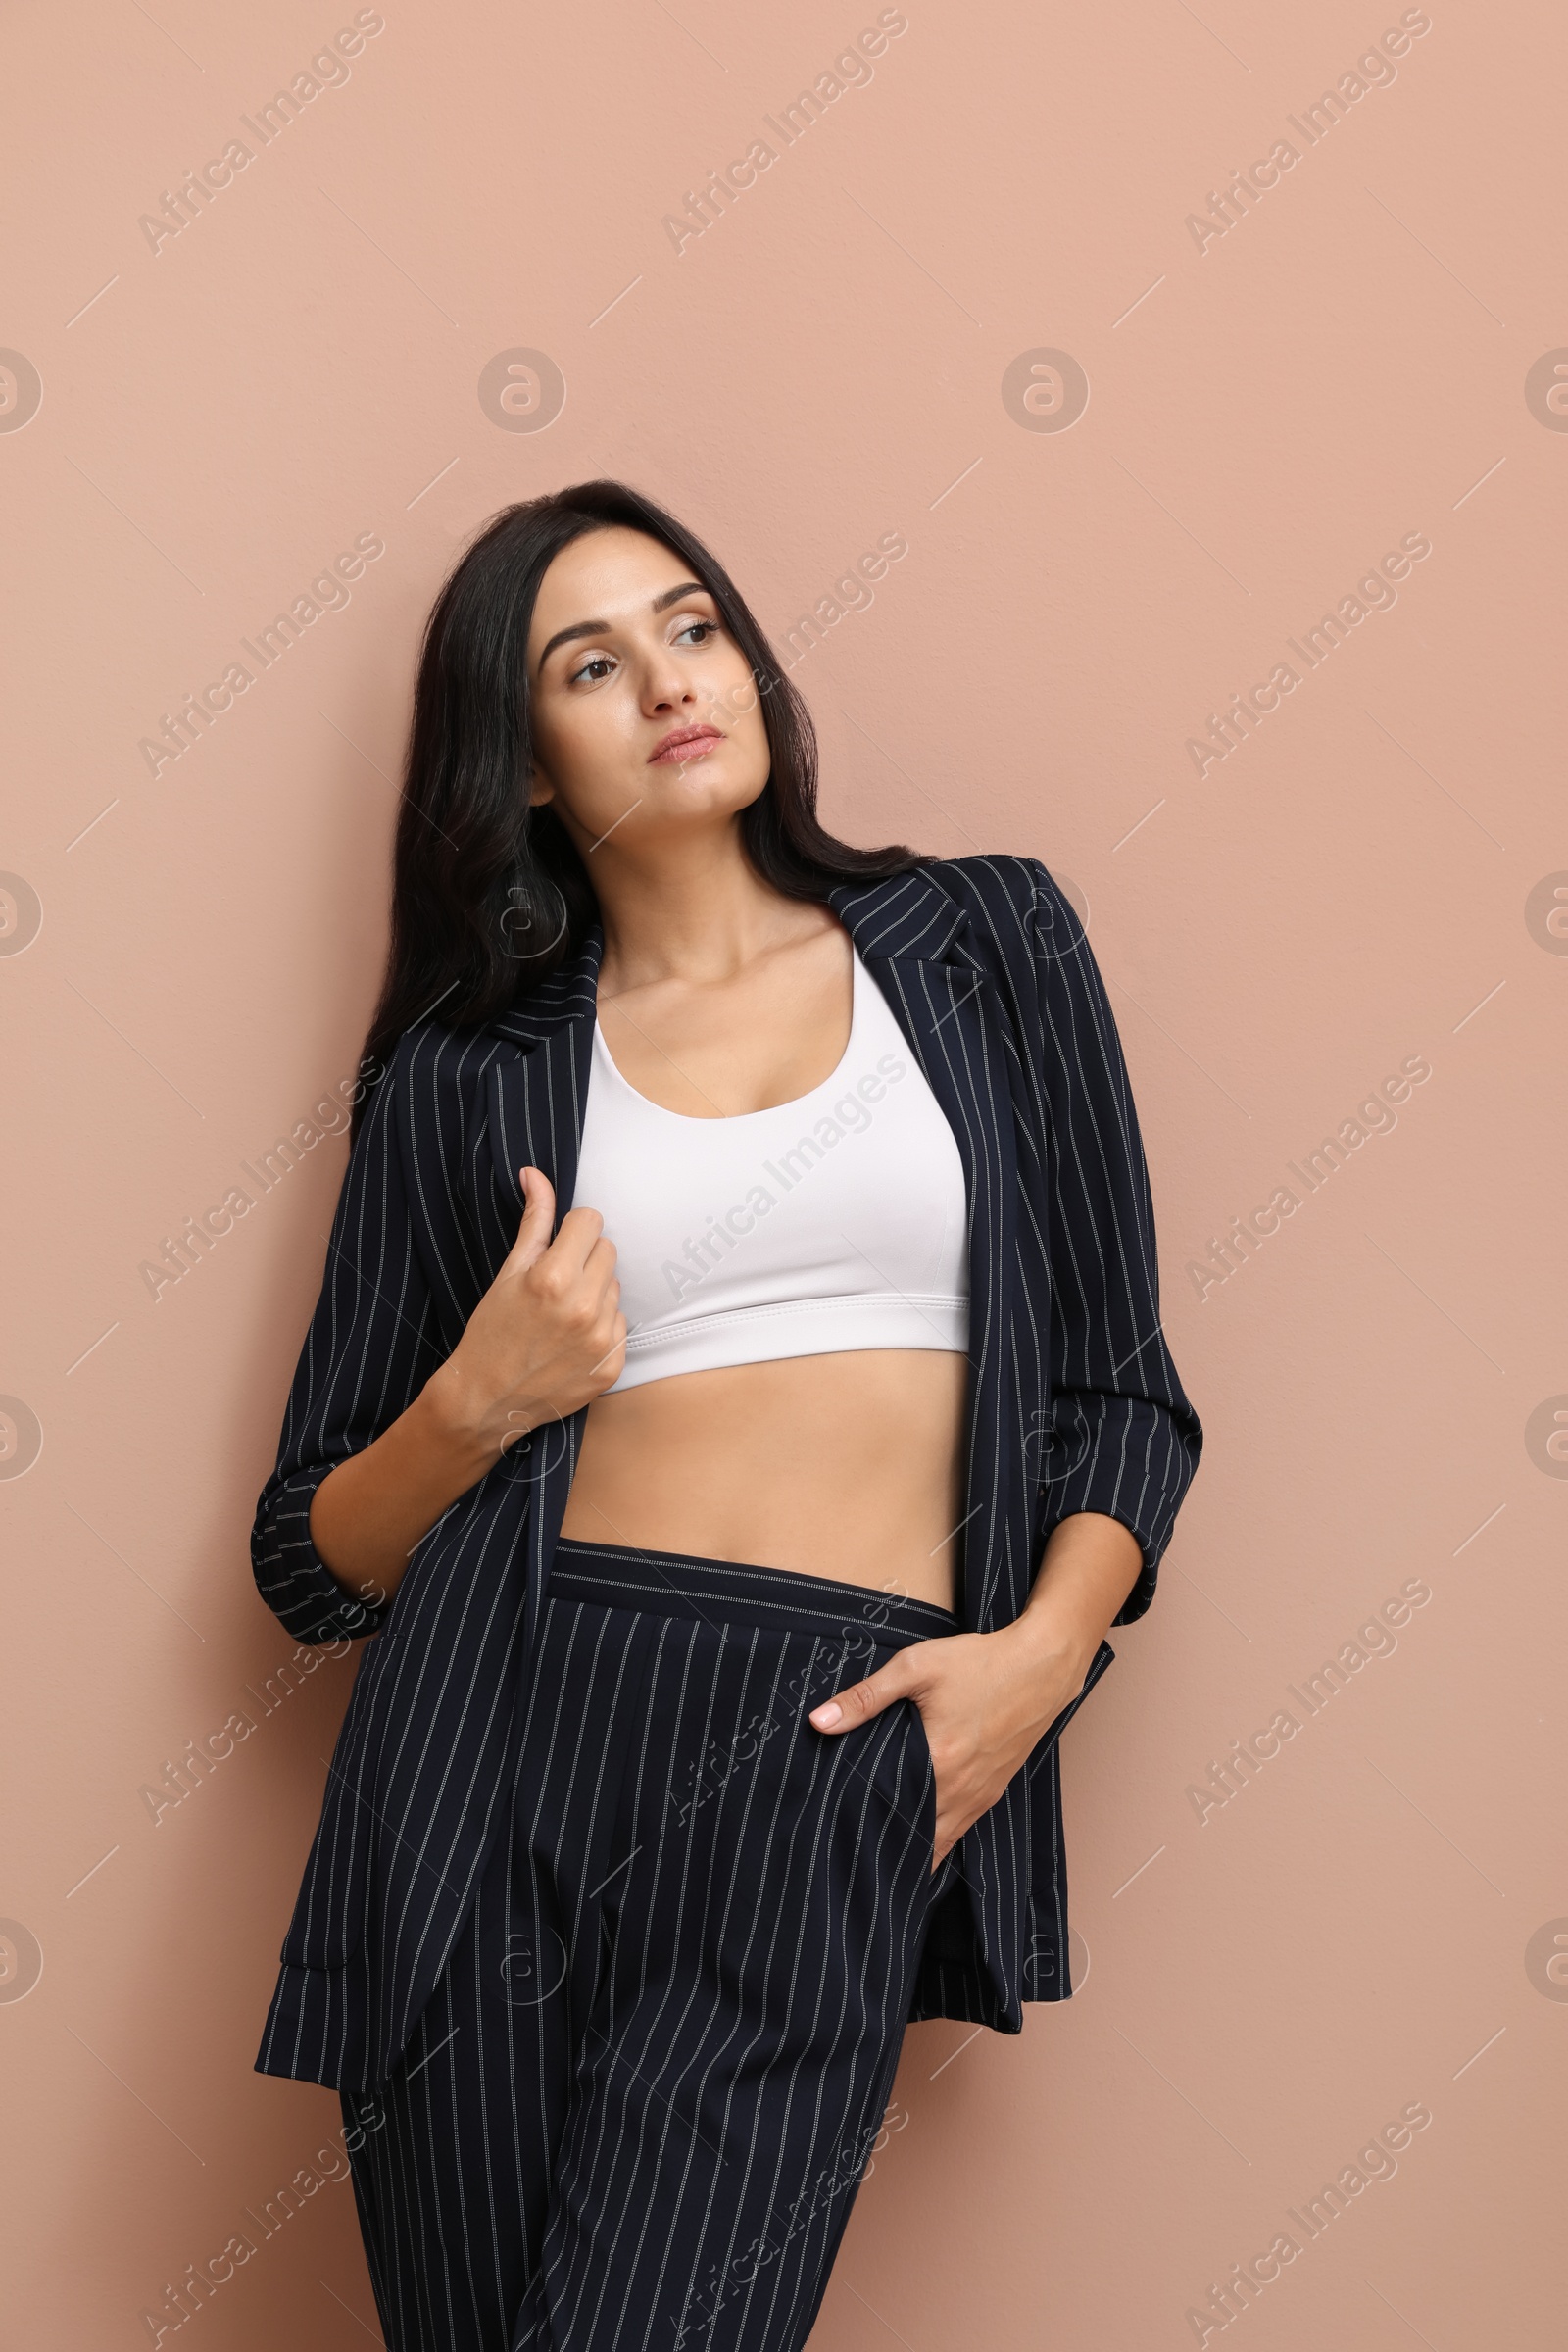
541 791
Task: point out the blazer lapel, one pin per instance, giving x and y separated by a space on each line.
912 937
537 1100
536 1105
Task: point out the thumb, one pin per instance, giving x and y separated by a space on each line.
860 1701
538 1215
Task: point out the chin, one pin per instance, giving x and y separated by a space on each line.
711 787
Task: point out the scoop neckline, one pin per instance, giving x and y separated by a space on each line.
733 1119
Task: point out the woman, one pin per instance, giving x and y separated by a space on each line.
737 1406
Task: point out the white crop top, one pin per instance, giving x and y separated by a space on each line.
836 1221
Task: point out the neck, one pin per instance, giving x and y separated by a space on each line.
695 910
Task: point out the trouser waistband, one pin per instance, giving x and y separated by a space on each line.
683 1583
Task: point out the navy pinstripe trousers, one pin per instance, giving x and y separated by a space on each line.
636 2109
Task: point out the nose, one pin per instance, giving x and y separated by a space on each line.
666 685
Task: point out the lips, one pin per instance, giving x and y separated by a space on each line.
685 743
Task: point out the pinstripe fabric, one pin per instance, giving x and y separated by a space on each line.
1074 1404
636 2108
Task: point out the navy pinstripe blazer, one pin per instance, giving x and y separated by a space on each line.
1074 1405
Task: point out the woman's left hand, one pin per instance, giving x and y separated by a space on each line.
986 1701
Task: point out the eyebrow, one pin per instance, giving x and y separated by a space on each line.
601 628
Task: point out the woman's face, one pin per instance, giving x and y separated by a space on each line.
626 652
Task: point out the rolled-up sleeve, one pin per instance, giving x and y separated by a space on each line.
1123 1438
372 1346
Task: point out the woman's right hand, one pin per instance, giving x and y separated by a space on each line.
547 1338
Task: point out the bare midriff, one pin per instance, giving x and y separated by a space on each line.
846 1466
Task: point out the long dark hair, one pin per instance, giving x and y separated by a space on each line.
488 894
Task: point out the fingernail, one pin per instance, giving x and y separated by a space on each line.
825 1717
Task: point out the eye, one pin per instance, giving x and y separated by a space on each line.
595 661
709 628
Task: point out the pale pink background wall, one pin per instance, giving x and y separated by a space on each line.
1379 1918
